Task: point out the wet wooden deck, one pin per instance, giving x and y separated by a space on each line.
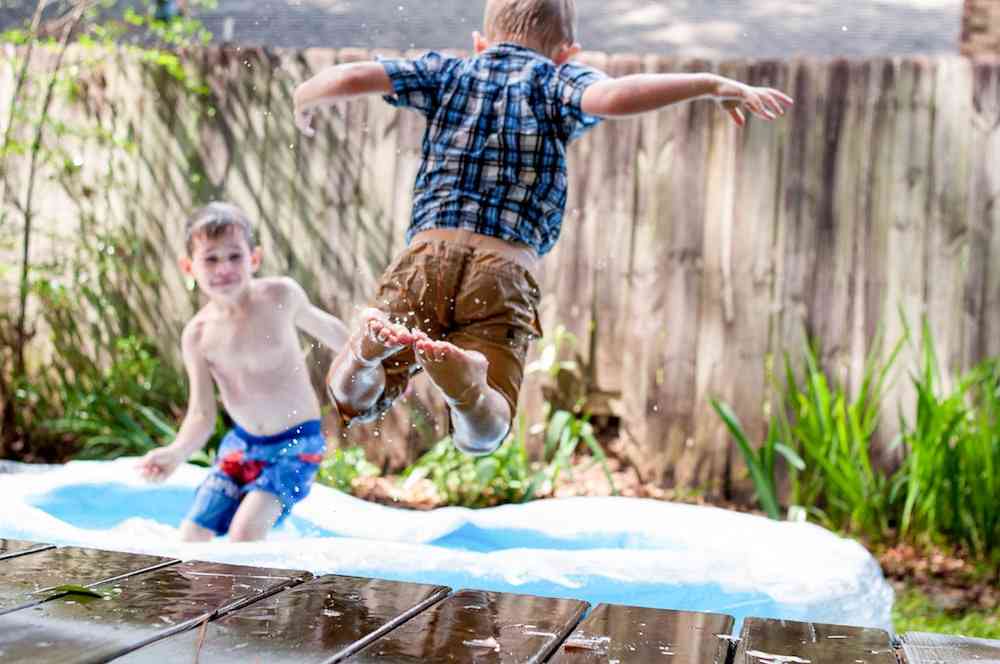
161 610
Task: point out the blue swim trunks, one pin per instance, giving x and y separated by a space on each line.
284 464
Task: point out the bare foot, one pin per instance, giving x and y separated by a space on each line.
379 338
460 374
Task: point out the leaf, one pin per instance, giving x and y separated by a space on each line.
791 456
553 434
76 589
763 484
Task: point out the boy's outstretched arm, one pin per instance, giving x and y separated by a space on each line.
639 93
199 420
324 327
335 84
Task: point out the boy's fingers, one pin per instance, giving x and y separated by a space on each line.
733 108
774 104
303 120
788 101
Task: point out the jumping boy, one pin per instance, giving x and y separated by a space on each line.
461 301
246 340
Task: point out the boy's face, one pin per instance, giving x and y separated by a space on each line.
223 266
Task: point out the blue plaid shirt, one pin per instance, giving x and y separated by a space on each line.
494 151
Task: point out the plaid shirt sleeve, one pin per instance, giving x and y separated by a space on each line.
416 83
570 83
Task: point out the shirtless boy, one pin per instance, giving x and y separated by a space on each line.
246 340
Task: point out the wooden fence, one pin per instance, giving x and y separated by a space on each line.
692 251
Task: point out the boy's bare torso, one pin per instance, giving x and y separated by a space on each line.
254 355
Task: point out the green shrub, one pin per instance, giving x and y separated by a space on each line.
507 475
343 465
126 409
95 282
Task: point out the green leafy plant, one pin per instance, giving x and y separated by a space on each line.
504 476
564 433
833 433
508 475
566 386
125 409
95 283
952 456
761 461
826 437
340 468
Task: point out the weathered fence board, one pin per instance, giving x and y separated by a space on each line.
692 253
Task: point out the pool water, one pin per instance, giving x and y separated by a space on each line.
613 550
110 505
105 507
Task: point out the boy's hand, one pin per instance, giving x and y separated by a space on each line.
766 103
159 464
303 120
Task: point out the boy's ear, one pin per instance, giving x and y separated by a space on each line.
255 257
184 263
479 42
566 52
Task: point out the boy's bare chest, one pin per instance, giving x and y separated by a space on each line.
256 344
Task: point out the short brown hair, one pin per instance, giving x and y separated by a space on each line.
549 22
212 221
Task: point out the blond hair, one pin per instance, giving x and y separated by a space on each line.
213 220
546 23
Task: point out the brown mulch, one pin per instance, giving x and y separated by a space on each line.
952 582
584 478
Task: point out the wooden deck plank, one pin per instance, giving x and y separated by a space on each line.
323 619
763 641
614 632
24 578
137 610
10 548
480 626
924 648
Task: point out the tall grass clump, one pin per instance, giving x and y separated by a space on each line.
952 456
762 461
944 491
834 431
825 434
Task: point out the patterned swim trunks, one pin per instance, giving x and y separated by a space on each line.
284 465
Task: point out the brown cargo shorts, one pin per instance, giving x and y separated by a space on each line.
471 296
